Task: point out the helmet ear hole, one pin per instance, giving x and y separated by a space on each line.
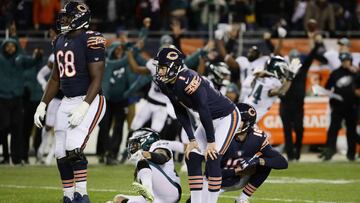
172 58
248 115
79 13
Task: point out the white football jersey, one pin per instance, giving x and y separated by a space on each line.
247 67
256 94
169 166
154 92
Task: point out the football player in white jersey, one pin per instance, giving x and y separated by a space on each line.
155 107
262 88
50 118
155 170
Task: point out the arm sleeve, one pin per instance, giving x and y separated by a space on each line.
41 76
309 58
192 60
330 82
158 158
273 159
95 47
200 101
183 117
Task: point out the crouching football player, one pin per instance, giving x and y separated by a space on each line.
156 177
250 158
248 161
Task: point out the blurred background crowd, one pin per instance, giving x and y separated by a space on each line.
242 34
194 15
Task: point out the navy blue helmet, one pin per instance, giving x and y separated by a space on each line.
142 138
171 59
73 16
248 116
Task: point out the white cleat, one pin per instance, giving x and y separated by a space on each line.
143 191
241 201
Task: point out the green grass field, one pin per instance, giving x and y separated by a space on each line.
301 182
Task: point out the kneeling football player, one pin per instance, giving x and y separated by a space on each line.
157 180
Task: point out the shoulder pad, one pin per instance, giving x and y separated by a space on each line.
262 137
191 81
95 40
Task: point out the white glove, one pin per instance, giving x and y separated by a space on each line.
43 86
295 66
219 34
78 114
40 114
281 32
136 157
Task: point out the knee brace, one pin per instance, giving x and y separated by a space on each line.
76 156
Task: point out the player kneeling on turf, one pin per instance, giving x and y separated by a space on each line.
250 158
155 172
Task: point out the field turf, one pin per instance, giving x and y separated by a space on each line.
301 182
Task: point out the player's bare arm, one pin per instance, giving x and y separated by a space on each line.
281 91
96 71
227 57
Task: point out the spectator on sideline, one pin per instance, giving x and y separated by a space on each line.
11 92
44 13
342 81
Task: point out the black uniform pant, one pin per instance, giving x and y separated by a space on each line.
338 113
292 116
114 115
11 121
29 111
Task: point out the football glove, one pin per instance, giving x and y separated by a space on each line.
40 114
281 32
294 68
249 162
77 114
136 157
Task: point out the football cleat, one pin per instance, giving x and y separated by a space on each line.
239 200
78 198
143 191
66 200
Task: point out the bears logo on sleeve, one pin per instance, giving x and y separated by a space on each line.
192 85
95 40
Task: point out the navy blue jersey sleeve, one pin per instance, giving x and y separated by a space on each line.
273 159
95 47
196 89
183 117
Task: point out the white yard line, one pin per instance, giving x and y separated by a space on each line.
292 180
184 194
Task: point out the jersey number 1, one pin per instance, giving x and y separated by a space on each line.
67 68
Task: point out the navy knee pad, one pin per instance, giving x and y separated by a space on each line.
76 156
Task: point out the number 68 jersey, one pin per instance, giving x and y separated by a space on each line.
72 56
255 91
